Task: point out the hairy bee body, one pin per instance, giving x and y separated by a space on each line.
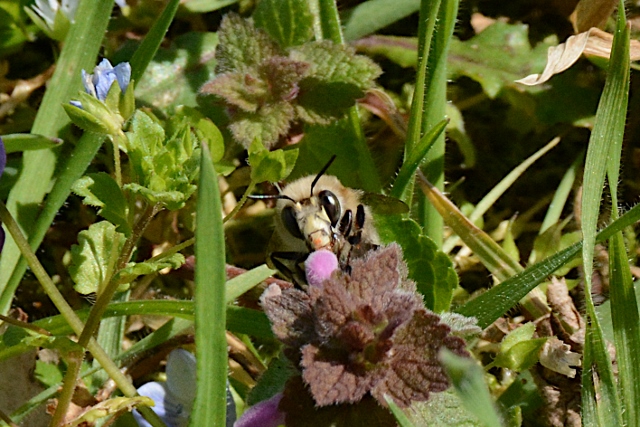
318 212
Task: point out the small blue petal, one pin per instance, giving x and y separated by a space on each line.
88 83
123 75
104 84
168 408
76 103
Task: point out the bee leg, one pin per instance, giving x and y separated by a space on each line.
345 223
293 270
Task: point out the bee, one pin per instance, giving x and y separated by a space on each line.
318 212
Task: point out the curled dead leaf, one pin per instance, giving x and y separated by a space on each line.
559 58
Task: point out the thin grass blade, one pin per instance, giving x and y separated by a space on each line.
210 304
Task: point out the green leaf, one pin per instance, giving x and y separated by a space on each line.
242 45
176 74
165 168
272 166
430 268
519 350
27 141
468 382
496 57
93 258
210 306
373 15
48 373
272 381
289 22
135 269
205 129
85 120
102 191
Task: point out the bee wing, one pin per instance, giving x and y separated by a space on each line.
384 205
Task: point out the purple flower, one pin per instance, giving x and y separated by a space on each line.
104 74
174 398
263 414
357 338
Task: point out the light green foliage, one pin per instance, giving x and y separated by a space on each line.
430 268
102 191
48 373
272 166
11 28
442 410
165 167
289 22
519 350
268 87
93 258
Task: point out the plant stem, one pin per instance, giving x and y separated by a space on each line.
70 316
243 200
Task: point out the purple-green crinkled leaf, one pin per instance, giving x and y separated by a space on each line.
337 63
242 45
266 125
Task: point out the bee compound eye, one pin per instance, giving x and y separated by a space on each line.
331 205
290 222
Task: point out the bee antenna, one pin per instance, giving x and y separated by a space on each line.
269 197
322 171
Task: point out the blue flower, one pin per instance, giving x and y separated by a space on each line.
174 398
104 74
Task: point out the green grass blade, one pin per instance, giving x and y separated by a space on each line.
80 50
27 141
434 109
241 284
149 46
626 327
606 136
413 160
600 377
492 304
211 350
561 195
608 127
